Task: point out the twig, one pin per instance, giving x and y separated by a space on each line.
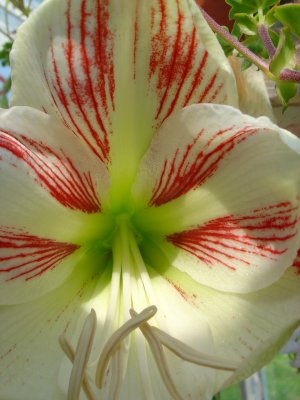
7 34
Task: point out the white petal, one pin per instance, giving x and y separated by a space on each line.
181 320
113 71
49 187
29 349
49 182
230 211
32 265
249 328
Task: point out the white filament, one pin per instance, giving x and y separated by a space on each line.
112 351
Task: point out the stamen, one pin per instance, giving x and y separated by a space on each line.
113 350
70 353
114 341
81 355
189 354
156 338
116 376
159 357
114 289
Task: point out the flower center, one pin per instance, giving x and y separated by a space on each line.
130 289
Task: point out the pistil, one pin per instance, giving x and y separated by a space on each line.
115 340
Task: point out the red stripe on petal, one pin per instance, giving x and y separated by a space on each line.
24 256
82 84
89 90
186 296
179 289
169 70
65 104
136 37
215 94
186 70
80 92
208 89
296 263
198 77
159 42
54 172
102 39
190 167
182 70
265 233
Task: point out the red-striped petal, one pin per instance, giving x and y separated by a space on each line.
114 72
229 249
50 197
25 257
228 211
54 158
203 144
29 262
189 149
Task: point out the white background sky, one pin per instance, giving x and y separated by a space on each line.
13 18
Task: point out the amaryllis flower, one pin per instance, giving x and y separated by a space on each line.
132 186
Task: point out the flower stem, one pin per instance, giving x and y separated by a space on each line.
261 64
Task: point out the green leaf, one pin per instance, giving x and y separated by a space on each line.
286 91
249 6
4 53
227 48
6 86
236 31
289 15
255 44
275 37
247 23
245 64
285 53
4 101
270 18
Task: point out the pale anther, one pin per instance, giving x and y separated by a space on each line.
112 350
115 340
187 353
81 356
156 338
159 357
116 376
70 353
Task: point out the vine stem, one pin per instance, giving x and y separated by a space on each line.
261 64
